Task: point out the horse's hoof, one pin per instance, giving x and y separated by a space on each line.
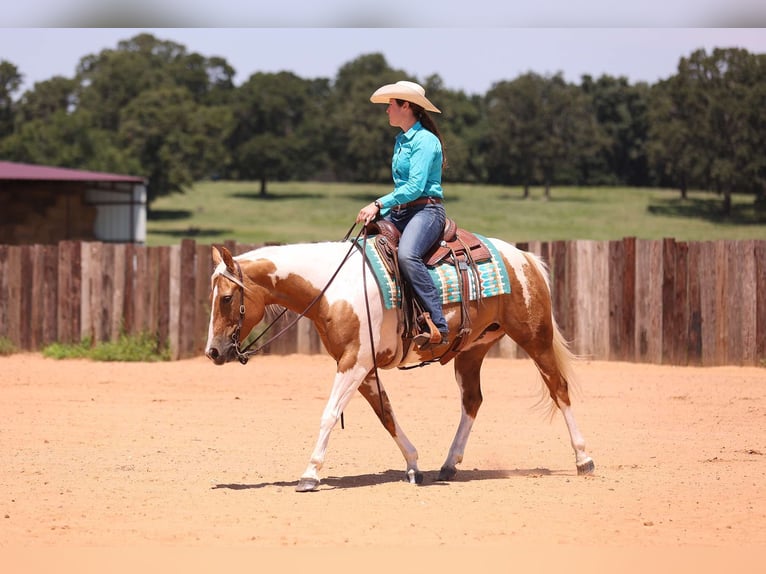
447 473
307 485
414 477
586 468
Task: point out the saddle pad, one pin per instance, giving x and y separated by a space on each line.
492 274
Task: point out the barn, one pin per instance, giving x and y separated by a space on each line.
44 205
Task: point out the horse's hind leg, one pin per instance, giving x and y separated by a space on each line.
553 363
382 407
467 373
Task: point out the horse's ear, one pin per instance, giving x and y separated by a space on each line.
227 259
216 256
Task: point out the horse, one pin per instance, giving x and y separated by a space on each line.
330 284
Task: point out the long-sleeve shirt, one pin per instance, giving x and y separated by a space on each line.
416 168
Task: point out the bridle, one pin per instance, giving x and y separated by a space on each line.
244 353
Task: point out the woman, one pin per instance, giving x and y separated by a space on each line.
415 204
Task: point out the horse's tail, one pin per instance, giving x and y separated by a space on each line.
563 355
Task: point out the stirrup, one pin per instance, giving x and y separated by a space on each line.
427 340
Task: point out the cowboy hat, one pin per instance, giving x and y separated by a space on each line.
403 90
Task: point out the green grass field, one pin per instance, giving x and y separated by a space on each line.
212 212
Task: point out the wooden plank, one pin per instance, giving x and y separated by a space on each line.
570 302
583 298
174 298
629 299
64 331
721 284
694 328
680 314
559 285
103 274
50 295
128 290
26 297
600 304
12 289
204 262
142 291
668 326
36 261
732 302
655 307
86 284
5 303
760 290
116 311
187 336
616 309
643 303
158 280
708 275
749 301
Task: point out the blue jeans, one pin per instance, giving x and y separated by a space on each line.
421 227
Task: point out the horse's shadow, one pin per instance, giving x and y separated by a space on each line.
430 478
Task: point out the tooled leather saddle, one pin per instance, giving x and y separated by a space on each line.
457 247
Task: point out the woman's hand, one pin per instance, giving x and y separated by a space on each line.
367 213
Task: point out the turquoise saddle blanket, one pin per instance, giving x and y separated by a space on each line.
489 280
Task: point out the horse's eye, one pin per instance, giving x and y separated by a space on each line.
226 299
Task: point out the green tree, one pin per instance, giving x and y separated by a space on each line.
540 131
10 82
622 114
463 128
176 140
58 94
706 123
277 133
361 139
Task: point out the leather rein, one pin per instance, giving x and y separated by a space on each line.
244 353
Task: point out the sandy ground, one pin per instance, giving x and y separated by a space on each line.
186 455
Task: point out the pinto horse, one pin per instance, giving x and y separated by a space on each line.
325 283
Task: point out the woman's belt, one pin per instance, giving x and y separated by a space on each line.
421 201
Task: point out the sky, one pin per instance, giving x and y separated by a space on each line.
470 45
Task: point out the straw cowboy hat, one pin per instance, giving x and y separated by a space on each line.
403 90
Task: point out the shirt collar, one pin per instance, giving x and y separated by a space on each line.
410 133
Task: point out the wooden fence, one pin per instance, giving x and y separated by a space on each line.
653 301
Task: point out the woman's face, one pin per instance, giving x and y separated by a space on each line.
398 115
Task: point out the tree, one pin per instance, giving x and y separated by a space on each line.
463 128
175 140
10 82
275 133
540 129
360 139
58 94
622 114
706 123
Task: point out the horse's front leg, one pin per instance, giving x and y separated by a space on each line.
342 390
372 390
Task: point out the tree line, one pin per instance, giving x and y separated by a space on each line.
149 107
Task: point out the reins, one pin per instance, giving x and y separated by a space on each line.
244 353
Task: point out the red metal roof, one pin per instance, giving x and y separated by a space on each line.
12 170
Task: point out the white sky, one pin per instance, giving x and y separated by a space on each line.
471 44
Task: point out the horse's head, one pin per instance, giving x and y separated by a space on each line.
236 306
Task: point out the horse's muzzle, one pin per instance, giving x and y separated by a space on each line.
214 355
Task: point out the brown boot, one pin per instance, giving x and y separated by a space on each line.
432 337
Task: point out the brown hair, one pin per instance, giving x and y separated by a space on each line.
428 122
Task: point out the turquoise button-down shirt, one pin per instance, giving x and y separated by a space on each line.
416 168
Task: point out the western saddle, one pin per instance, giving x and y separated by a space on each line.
459 248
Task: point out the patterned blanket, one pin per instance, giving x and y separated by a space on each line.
492 277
